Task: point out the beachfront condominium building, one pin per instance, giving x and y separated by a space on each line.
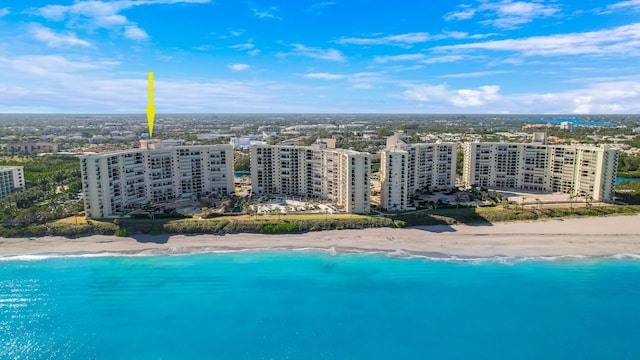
408 168
118 182
319 171
581 170
11 180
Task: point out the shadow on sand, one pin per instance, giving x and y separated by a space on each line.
436 228
155 239
441 220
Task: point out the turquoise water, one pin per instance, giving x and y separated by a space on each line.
318 306
621 179
575 121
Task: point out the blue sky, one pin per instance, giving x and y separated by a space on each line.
372 56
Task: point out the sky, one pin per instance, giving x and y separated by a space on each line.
342 56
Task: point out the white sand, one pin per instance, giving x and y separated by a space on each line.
604 236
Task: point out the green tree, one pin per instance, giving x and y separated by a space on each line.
242 163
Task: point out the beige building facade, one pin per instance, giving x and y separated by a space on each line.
408 168
320 171
578 169
11 180
119 182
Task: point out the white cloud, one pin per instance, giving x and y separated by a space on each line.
470 97
359 81
268 13
465 12
316 53
623 40
444 59
409 39
324 76
59 84
124 94
475 74
402 57
4 12
133 32
599 98
245 46
460 98
421 58
239 67
318 7
396 40
625 5
51 66
94 14
425 93
363 86
505 14
53 12
254 52
53 39
613 97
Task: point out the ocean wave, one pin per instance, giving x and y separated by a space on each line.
401 254
39 257
626 256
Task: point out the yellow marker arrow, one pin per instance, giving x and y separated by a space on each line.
151 110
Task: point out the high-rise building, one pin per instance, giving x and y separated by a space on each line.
319 171
578 169
11 180
119 182
406 169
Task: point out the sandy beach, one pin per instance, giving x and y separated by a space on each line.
592 237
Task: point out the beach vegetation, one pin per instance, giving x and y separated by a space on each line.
628 192
488 215
60 228
629 164
298 223
121 232
280 227
52 184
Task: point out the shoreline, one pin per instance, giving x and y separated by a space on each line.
577 237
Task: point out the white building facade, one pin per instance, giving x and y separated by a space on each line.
578 169
118 182
318 171
11 180
406 169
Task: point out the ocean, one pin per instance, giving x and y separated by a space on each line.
314 305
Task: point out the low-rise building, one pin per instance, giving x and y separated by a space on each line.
31 148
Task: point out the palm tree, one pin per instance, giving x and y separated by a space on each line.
505 203
571 197
152 213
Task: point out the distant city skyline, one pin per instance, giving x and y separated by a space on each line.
358 56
